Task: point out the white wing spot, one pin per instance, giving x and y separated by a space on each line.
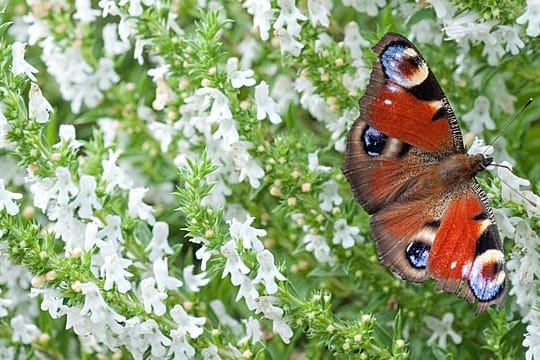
387 102
410 52
453 265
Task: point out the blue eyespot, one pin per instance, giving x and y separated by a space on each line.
374 141
417 253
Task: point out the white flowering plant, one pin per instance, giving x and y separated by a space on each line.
170 183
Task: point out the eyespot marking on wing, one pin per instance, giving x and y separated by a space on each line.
417 253
403 65
487 276
374 141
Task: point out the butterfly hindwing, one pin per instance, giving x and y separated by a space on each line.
467 252
451 238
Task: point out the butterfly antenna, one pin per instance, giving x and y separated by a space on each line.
509 122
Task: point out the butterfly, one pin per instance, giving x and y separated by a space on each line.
407 166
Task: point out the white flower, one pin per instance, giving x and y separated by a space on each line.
194 282
152 298
51 301
163 133
158 244
329 196
253 330
262 15
164 93
153 336
111 43
66 132
369 7
344 234
441 330
161 274
274 313
479 118
234 264
64 187
189 324
114 271
95 305
244 164
250 50
109 7
67 227
112 232
239 78
288 43
479 147
266 106
84 11
19 65
510 36
204 255
6 200
313 163
443 8
317 244
532 16
139 47
210 353
180 349
248 291
319 10
247 234
426 31
4 305
225 319
467 27
86 199
38 107
532 339
268 272
510 183
136 206
289 16
354 40
338 129
283 92
228 132
4 128
113 175
23 332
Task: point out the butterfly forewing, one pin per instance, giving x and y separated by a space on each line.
406 164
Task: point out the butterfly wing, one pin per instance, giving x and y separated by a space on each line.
404 100
451 237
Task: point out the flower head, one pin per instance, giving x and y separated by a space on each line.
19 65
38 107
441 330
6 200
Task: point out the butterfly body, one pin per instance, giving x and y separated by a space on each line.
407 166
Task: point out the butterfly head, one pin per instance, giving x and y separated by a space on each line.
481 162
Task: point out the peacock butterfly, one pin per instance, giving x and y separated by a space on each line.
408 167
